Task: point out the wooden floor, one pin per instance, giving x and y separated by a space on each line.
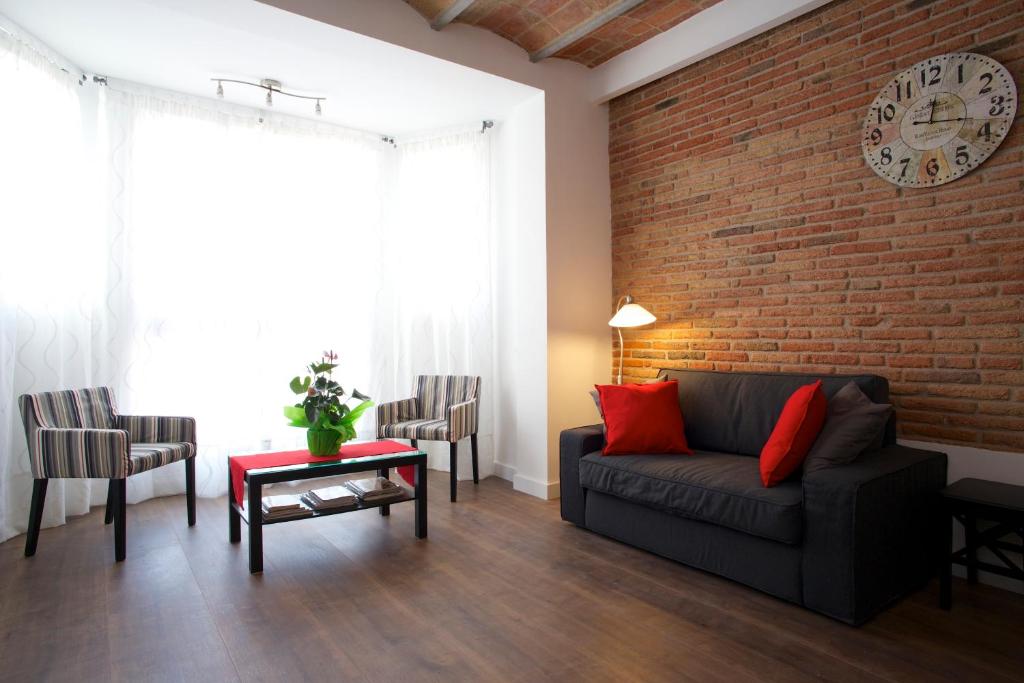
501 590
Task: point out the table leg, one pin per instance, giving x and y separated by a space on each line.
421 498
946 562
971 538
234 519
385 510
255 528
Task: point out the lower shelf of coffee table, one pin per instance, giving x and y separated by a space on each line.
405 497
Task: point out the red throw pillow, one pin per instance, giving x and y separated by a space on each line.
642 418
794 434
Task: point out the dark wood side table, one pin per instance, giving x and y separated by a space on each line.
969 500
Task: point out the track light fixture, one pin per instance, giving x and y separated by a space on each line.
272 87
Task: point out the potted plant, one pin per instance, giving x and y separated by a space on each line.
324 412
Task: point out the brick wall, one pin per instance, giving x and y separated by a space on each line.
745 218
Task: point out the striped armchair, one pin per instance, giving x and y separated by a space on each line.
78 434
445 408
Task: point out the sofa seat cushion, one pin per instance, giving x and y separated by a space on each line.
717 488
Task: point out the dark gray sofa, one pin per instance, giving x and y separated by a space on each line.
845 541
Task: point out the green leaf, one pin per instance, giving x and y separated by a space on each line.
297 416
355 413
360 395
312 413
319 368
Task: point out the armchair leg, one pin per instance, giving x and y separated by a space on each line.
108 515
454 467
190 489
35 516
120 517
476 464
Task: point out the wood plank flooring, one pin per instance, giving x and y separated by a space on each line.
502 590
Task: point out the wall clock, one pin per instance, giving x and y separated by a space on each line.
939 119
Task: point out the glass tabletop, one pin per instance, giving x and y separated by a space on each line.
332 460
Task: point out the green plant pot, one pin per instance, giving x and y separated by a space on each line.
323 441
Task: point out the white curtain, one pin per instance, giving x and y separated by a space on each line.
195 256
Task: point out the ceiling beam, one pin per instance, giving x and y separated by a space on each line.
448 16
584 29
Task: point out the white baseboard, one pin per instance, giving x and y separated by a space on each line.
538 489
503 471
965 461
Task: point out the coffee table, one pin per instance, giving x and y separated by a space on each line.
252 513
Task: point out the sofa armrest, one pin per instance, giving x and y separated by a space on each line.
158 428
396 411
462 420
573 444
870 530
81 453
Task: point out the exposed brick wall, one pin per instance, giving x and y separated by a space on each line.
745 218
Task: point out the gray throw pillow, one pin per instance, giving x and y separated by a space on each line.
852 424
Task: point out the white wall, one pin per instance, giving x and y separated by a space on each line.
576 253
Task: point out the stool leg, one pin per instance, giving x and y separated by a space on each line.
35 516
454 467
971 536
946 563
476 464
120 518
108 516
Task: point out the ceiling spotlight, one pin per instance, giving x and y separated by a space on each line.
220 89
270 100
271 86
319 111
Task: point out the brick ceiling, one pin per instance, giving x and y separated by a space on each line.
535 24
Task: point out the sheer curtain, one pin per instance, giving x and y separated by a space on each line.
213 252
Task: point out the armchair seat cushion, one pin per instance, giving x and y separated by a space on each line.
428 430
148 456
717 488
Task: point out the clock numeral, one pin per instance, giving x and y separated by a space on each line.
985 89
960 73
931 75
962 157
886 156
906 162
932 167
986 130
887 112
900 87
997 105
876 136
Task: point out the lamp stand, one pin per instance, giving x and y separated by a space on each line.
619 330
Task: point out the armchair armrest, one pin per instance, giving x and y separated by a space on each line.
871 530
462 420
80 453
573 444
397 411
158 428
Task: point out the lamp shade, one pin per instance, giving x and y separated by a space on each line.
631 315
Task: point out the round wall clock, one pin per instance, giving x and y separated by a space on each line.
939 119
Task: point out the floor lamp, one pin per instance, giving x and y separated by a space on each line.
628 314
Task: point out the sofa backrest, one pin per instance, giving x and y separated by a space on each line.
735 412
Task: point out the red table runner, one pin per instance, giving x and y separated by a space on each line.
241 463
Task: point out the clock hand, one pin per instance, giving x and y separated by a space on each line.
925 123
931 112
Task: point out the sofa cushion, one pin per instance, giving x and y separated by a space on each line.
718 488
642 418
735 412
794 434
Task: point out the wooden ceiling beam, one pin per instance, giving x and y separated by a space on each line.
585 28
448 16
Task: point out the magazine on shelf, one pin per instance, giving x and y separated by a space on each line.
284 507
374 488
330 498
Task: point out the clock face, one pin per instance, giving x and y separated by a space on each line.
939 119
